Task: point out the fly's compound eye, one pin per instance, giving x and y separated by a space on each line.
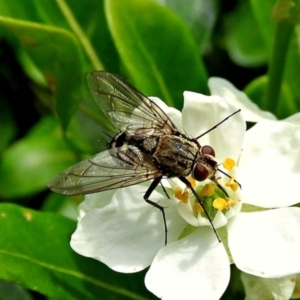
200 172
208 150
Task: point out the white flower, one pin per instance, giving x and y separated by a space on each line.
127 234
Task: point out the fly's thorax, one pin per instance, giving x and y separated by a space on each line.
150 144
176 155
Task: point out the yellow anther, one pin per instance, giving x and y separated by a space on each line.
228 164
220 204
198 208
192 181
232 184
181 194
207 190
230 202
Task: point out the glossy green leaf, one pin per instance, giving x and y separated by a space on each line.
10 291
262 11
244 41
30 163
35 253
56 54
157 49
199 15
7 125
286 105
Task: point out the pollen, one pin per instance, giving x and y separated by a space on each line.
207 190
198 208
232 184
181 194
220 204
229 164
192 181
230 202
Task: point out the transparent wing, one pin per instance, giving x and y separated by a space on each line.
110 169
126 107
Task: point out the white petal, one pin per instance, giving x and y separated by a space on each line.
266 243
250 111
93 201
173 113
269 167
127 233
195 267
296 293
200 113
258 288
294 119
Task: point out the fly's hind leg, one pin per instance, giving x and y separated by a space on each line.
151 188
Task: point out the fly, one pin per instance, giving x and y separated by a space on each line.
146 146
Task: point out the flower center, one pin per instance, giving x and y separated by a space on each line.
212 198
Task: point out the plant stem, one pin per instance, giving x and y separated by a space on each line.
87 46
283 34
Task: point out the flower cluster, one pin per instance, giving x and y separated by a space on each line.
259 230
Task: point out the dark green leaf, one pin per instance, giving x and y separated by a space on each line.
157 49
30 163
199 15
286 106
56 54
35 253
244 41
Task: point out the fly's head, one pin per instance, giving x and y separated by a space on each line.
206 165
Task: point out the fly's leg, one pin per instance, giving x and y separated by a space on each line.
151 188
189 185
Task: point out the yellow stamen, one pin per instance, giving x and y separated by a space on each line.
192 181
219 203
232 184
230 202
207 190
198 208
228 164
181 194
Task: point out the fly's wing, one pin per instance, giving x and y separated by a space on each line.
127 108
110 169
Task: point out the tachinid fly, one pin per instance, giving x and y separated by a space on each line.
147 145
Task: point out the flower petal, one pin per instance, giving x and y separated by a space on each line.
268 288
127 233
266 243
250 111
269 167
93 201
173 113
207 111
195 267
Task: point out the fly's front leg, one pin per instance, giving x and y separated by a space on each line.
189 185
151 188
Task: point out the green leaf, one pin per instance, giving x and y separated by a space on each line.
9 291
35 253
199 15
7 125
263 15
30 163
157 49
255 91
56 54
244 41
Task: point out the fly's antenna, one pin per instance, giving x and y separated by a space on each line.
214 127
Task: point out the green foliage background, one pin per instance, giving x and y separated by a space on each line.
49 121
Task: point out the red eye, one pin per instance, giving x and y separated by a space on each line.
200 173
208 150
